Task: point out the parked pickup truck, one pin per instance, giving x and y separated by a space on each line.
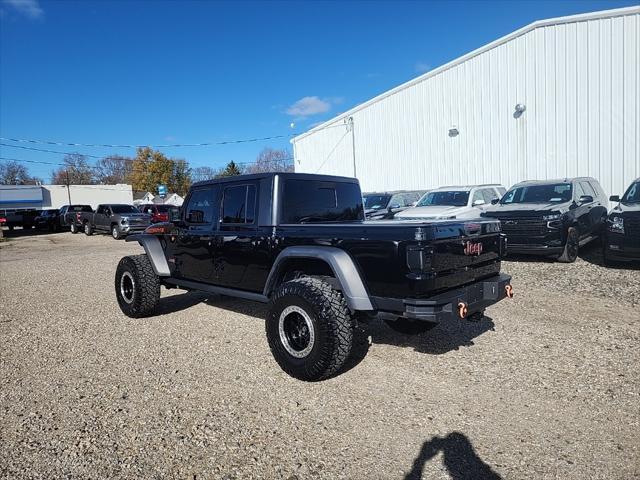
69 216
117 219
300 243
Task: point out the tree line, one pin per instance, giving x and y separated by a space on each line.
148 169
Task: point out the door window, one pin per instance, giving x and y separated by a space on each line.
477 195
200 207
238 204
588 189
489 194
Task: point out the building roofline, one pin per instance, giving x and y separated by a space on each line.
581 17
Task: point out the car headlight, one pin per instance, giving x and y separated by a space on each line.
124 220
615 224
555 216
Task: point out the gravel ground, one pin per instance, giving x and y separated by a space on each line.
547 386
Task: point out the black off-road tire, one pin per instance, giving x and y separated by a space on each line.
88 229
409 327
571 246
140 297
73 228
332 328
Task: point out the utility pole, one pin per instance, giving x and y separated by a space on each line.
353 145
68 189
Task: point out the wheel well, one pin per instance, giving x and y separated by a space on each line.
293 268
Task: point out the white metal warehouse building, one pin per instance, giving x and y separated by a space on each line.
576 77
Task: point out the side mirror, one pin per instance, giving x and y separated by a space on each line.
495 201
614 198
174 215
585 199
478 202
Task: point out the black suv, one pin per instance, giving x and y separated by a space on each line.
300 243
622 235
551 217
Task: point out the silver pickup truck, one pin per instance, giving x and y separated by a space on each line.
117 219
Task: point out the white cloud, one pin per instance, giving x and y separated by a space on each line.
422 67
28 8
308 106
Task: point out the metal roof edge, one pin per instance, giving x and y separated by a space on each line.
581 17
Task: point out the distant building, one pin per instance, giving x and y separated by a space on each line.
38 197
144 198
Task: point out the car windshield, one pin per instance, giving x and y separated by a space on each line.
123 209
456 198
164 208
552 193
376 201
633 194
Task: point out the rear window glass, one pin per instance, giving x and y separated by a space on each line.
309 201
80 208
200 207
238 204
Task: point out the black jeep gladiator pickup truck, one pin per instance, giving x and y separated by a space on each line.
300 243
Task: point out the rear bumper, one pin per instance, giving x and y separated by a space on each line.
476 296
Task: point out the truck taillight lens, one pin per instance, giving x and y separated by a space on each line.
419 258
159 229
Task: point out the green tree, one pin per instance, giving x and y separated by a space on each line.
152 168
230 170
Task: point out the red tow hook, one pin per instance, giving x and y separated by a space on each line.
462 310
509 290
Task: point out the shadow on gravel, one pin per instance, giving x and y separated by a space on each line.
592 253
460 459
443 338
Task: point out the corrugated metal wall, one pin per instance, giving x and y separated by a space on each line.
578 78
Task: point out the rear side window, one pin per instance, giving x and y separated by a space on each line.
200 207
309 201
238 204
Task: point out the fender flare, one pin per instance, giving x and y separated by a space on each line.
341 264
153 249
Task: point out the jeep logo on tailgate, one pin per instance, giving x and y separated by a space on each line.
472 248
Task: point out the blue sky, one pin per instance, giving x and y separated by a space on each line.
126 72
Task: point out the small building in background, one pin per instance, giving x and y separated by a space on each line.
39 197
145 198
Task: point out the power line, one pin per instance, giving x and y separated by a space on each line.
49 151
278 160
170 145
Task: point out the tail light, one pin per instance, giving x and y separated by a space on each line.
162 229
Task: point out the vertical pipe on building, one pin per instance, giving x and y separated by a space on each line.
353 147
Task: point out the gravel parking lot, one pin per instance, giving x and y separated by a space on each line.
547 386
